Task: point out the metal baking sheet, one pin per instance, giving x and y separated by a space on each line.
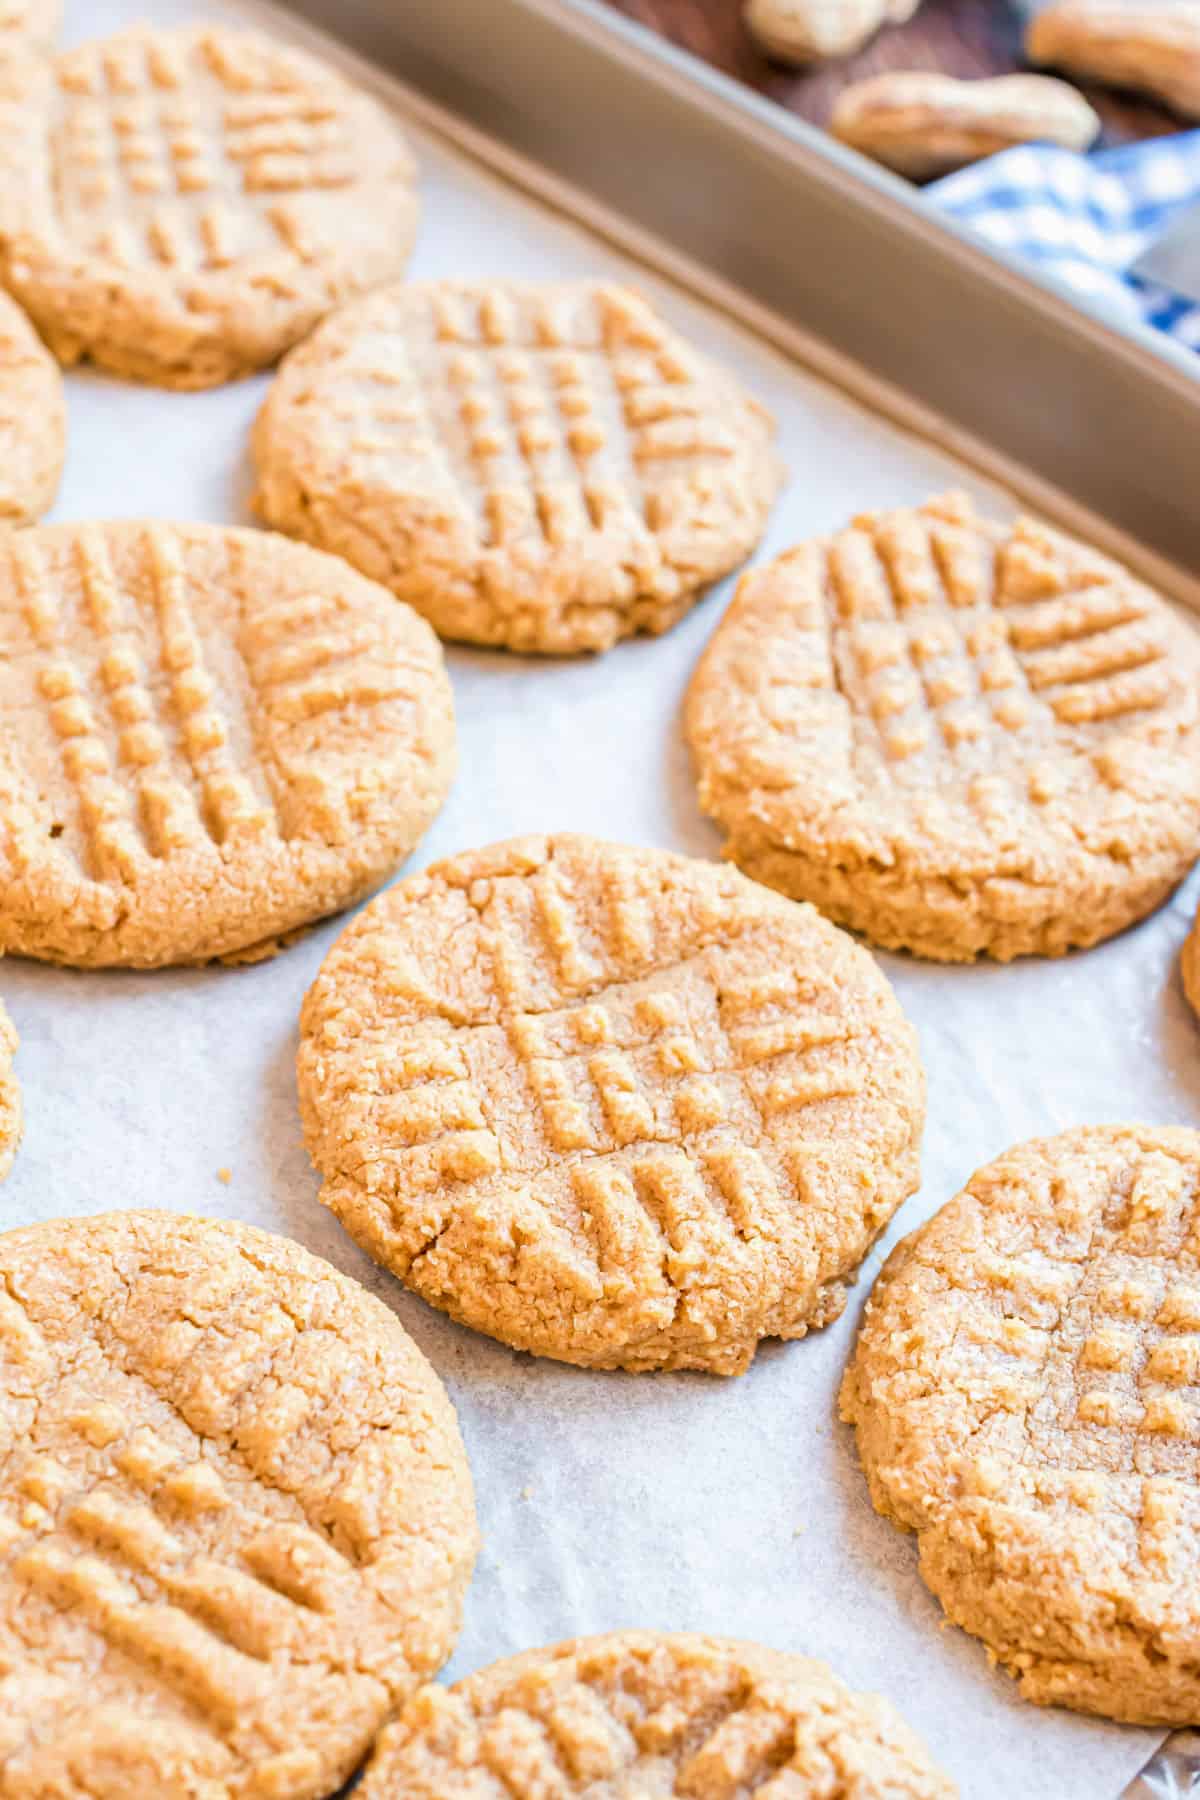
667 1501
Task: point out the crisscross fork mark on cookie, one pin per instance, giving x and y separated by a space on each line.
183 205
159 134
535 408
1074 1310
954 644
216 1516
544 466
1109 1341
544 415
659 1122
171 776
112 1544
615 1097
219 737
628 1070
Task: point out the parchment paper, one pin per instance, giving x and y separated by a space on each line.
668 1501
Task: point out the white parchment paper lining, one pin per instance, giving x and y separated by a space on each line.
678 1502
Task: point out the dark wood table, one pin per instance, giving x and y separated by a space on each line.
958 37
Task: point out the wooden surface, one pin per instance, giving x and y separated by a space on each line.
958 37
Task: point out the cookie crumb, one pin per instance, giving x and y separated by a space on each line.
527 1492
225 1175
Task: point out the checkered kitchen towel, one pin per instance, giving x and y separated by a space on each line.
1083 219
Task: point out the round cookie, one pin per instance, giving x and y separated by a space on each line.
236 1520
613 1106
651 1713
10 1096
954 736
218 737
1026 1389
33 420
181 206
542 466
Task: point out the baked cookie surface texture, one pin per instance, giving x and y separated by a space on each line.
236 1520
955 737
1026 1390
610 1105
543 466
181 206
219 736
652 1713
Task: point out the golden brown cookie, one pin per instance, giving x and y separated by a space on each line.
955 736
614 1106
544 466
29 23
217 736
10 1096
651 1713
33 420
1026 1389
236 1520
181 206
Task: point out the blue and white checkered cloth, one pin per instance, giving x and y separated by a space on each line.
1084 219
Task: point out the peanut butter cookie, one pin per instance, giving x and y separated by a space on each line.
217 737
651 1713
236 1519
10 1096
610 1105
33 420
543 466
182 206
954 736
1026 1389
